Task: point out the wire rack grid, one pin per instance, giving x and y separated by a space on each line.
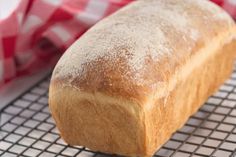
28 130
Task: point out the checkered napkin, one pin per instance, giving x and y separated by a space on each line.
33 33
228 5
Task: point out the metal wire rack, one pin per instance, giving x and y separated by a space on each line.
27 128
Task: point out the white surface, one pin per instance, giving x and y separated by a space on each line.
61 33
93 12
14 88
233 2
7 7
31 22
53 2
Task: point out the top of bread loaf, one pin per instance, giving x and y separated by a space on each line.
139 49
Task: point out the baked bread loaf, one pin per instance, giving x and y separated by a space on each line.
135 77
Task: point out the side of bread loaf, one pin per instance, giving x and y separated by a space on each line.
135 77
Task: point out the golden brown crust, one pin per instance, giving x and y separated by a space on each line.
102 123
188 96
118 126
100 96
138 49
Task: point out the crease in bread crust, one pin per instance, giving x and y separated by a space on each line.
185 70
162 88
189 95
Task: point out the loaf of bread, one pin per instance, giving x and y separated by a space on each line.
135 77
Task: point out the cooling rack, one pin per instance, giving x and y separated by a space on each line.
27 128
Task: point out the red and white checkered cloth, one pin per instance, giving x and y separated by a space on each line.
33 33
228 5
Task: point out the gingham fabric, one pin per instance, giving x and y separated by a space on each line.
33 33
228 5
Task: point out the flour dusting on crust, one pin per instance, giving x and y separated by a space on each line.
216 11
137 32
